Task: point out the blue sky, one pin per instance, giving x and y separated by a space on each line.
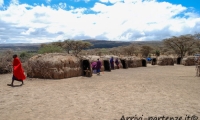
38 21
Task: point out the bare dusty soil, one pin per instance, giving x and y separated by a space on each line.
149 91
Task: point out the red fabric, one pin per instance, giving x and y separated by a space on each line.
18 71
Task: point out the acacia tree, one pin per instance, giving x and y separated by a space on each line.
58 43
197 37
78 46
114 51
130 50
180 45
145 50
68 44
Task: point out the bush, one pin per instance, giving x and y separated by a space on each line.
157 52
5 61
50 49
24 56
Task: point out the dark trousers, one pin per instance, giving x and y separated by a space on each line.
14 78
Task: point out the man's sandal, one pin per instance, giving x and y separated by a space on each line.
9 84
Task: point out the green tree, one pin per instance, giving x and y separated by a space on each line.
146 50
197 37
50 49
24 56
157 52
78 46
180 45
68 45
130 50
58 43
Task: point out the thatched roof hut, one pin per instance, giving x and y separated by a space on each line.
93 58
135 62
153 61
165 60
108 57
144 62
177 60
124 62
55 66
188 61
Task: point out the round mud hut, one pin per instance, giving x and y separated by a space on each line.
93 61
108 57
177 60
124 62
165 60
144 62
136 62
55 66
188 61
153 61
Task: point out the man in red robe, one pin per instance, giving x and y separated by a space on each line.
18 72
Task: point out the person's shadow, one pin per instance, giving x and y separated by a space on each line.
16 86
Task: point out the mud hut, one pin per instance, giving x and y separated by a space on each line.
144 62
124 62
188 61
165 60
135 62
178 60
55 66
108 57
153 61
93 59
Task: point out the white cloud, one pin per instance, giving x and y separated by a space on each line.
104 1
62 5
115 1
48 1
16 2
1 3
86 1
132 20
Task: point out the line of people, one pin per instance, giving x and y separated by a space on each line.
18 71
96 66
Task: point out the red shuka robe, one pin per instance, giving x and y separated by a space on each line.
18 71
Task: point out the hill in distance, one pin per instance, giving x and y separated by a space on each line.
96 44
111 44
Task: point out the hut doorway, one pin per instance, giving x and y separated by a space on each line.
144 63
179 60
153 61
106 65
86 68
124 65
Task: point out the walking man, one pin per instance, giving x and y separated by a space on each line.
18 72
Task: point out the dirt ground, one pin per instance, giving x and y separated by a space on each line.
170 91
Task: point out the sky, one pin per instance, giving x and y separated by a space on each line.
39 21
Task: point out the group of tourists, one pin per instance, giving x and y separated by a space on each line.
96 66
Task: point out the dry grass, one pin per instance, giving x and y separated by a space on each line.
5 62
148 91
